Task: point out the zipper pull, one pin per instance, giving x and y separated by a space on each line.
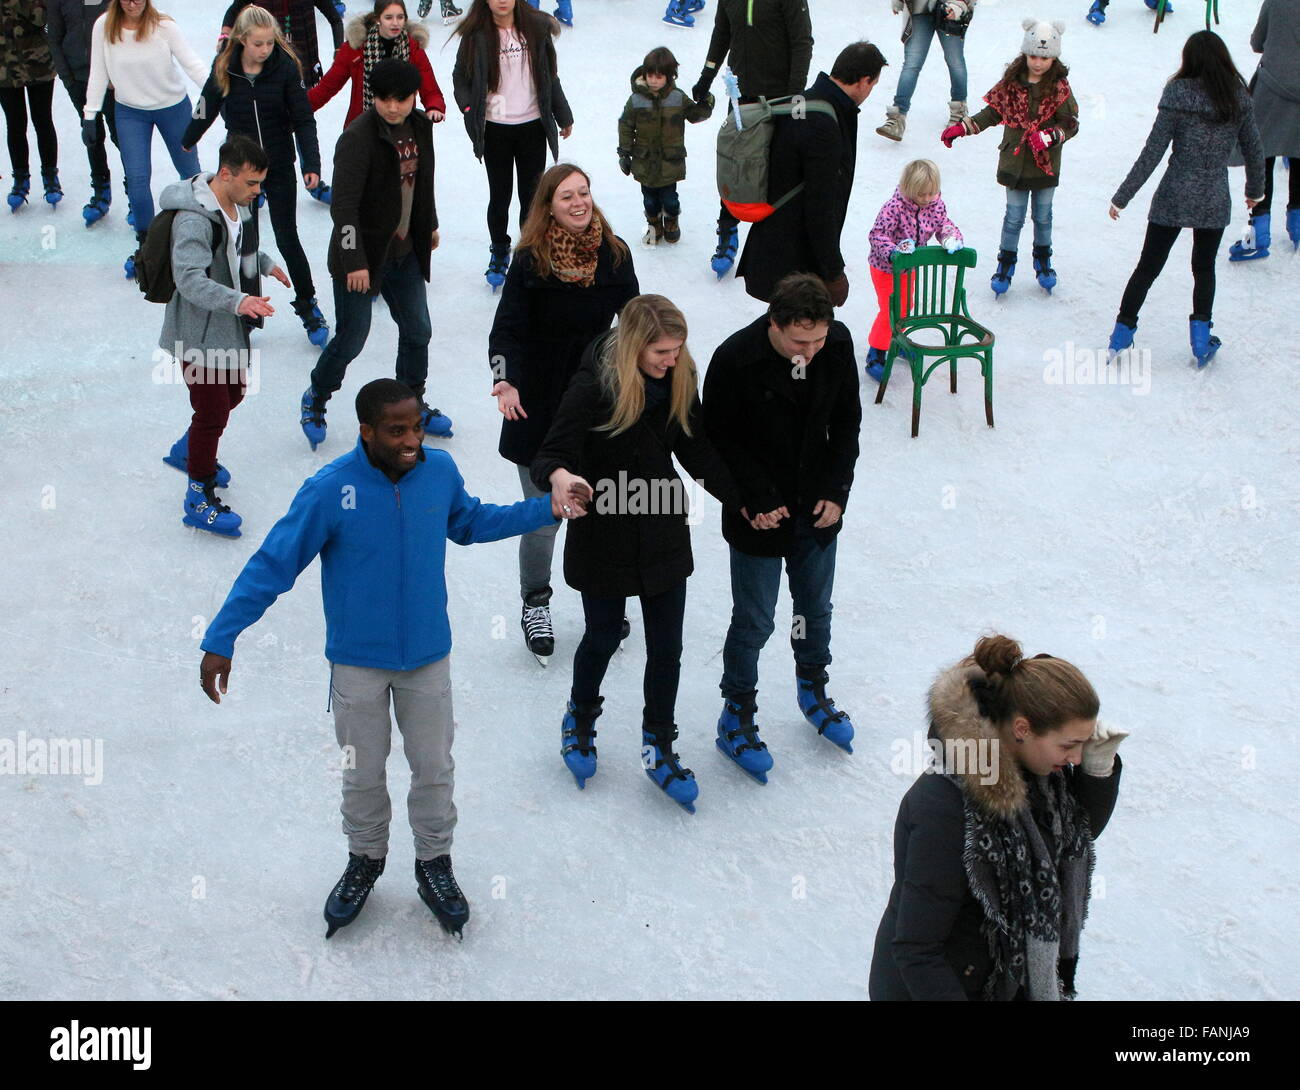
397 493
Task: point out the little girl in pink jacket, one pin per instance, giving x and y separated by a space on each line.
910 218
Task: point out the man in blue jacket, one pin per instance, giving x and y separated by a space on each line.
379 518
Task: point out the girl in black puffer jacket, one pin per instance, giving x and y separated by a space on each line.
256 85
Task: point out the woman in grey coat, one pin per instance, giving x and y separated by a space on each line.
1275 94
1204 112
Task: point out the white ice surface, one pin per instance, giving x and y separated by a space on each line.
1150 539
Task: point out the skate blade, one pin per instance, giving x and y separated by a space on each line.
451 927
542 660
757 777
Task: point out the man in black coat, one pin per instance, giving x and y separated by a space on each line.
781 406
385 227
819 153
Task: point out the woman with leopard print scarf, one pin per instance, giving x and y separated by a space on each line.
382 34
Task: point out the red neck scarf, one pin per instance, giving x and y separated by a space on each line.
1011 100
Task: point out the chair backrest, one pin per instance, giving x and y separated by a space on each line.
936 286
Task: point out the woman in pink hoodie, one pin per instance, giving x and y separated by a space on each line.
910 218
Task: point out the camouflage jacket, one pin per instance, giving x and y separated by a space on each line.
24 52
652 130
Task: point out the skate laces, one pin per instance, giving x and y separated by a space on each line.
441 879
361 873
537 621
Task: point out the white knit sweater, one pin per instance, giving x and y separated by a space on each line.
142 73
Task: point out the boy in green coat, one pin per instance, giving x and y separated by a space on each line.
652 140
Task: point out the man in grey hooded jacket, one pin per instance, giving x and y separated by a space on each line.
206 325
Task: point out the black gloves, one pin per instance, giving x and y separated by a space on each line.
89 132
703 84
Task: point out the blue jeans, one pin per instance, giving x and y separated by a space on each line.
661 198
914 54
755 584
403 289
1018 202
135 142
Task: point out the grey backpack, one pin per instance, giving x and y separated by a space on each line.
743 153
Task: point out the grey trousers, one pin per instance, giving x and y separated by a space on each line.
535 548
422 700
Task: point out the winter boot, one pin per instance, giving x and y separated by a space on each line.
535 620
348 897
101 197
725 255
957 112
895 123
678 14
1005 271
18 195
313 321
1121 337
663 766
313 417
205 512
577 734
1096 14
1256 243
819 709
178 457
876 363
672 229
322 192
1043 268
1293 227
438 889
654 230
1203 344
53 191
449 10
738 737
498 263
564 11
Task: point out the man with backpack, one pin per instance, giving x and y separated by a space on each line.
768 45
197 244
811 162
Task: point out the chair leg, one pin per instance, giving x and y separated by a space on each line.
916 409
884 378
952 365
988 392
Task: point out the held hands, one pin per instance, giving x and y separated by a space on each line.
703 84
768 520
311 181
256 306
1099 750
570 495
952 132
1040 138
829 514
214 675
508 401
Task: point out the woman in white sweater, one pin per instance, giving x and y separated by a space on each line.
136 49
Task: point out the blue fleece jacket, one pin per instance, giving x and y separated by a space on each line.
383 557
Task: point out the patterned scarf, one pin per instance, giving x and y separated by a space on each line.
375 50
1011 100
574 257
1033 890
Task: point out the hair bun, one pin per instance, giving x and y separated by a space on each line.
997 656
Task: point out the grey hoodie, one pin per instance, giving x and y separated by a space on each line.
204 312
1194 191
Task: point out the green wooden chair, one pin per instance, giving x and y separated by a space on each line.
934 295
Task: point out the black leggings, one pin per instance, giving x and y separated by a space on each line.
41 97
1293 197
662 615
1155 252
281 188
520 149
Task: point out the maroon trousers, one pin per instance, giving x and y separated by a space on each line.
213 394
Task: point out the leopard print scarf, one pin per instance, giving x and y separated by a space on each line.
574 257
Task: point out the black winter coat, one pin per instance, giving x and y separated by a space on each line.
542 327
804 234
617 553
788 442
770 44
367 199
469 83
68 25
271 107
938 950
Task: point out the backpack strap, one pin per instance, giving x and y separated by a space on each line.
813 105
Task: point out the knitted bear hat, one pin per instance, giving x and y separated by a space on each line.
1042 39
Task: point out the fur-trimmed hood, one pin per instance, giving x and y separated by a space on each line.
356 28
955 717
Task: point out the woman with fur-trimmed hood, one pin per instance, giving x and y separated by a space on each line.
993 847
379 35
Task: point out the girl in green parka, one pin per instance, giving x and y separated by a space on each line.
1034 103
652 140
